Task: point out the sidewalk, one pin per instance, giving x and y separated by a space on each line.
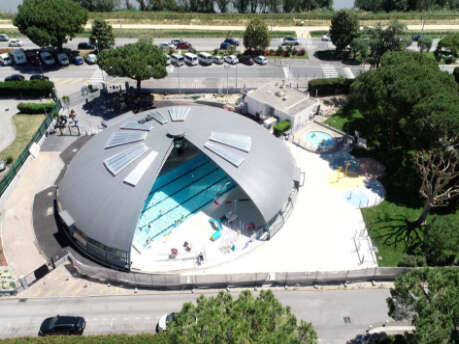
19 243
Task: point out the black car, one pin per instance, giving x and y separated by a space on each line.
38 77
85 46
245 59
33 56
60 325
15 77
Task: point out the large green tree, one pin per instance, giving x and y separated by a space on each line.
99 5
256 35
409 102
430 299
344 28
248 319
385 39
138 61
101 35
50 22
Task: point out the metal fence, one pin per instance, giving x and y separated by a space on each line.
190 281
17 164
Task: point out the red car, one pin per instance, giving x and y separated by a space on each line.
33 57
184 45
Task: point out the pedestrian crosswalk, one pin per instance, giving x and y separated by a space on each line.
329 71
70 81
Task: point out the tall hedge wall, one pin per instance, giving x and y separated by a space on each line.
36 108
26 88
108 339
329 87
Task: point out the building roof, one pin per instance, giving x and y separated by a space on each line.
290 102
106 205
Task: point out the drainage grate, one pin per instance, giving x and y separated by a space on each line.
347 319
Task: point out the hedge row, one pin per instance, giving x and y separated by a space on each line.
329 87
36 108
26 88
281 127
108 339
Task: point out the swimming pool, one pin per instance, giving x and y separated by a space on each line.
319 139
178 194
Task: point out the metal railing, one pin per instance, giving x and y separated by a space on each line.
17 164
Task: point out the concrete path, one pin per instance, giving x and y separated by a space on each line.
19 243
7 129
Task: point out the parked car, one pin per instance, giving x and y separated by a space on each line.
63 59
164 321
176 41
232 41
416 37
261 60
5 59
77 60
19 56
15 43
290 41
325 38
2 165
85 46
245 59
184 45
15 77
4 37
231 59
33 56
60 325
38 77
47 58
91 59
217 59
167 46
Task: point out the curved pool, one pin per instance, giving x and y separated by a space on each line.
319 139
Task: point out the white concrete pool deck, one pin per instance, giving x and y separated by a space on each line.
318 236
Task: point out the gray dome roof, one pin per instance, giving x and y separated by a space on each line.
105 196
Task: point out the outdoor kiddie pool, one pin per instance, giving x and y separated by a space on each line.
319 139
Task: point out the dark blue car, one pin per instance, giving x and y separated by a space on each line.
227 42
78 60
416 38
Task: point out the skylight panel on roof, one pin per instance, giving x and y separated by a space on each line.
225 153
179 114
121 160
241 142
137 173
158 117
137 126
122 137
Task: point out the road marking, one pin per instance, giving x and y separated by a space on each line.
285 70
65 81
76 81
329 71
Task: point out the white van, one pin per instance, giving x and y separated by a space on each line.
191 59
177 59
5 59
205 59
19 56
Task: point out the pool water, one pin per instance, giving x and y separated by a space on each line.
178 194
319 139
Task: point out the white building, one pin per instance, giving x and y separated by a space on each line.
282 102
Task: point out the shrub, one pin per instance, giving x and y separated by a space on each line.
26 88
301 52
9 159
330 86
449 59
192 50
36 108
281 127
216 51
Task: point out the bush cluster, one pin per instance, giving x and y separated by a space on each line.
281 127
456 74
106 339
26 88
36 108
286 52
330 86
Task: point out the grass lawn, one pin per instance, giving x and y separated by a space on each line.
339 119
26 126
318 33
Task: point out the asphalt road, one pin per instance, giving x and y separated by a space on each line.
337 315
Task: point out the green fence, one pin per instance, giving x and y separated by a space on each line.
17 164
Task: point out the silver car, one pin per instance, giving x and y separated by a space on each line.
290 41
167 46
15 43
2 166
